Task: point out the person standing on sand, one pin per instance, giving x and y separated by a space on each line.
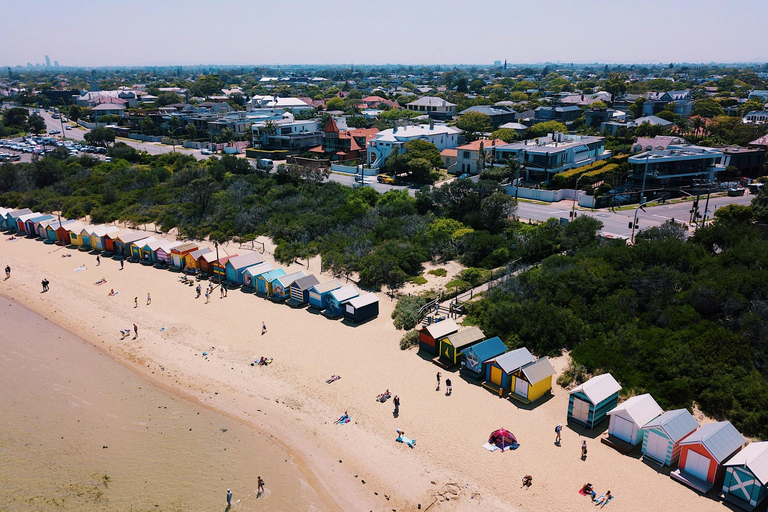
98 260
396 401
229 498
261 485
122 263
198 291
7 271
558 430
584 450
448 387
207 296
149 299
438 381
135 302
263 328
136 330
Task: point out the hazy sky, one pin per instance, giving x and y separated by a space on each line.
168 32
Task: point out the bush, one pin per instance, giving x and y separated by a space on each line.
410 339
439 272
417 280
574 374
406 313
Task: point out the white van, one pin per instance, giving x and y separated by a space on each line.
265 164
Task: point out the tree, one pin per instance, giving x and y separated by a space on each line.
74 113
334 103
474 122
16 117
100 136
636 109
191 131
707 107
168 98
542 129
615 84
206 86
36 123
505 134
418 161
760 205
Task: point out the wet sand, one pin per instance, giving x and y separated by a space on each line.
78 431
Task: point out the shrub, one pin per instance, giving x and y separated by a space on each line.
439 272
409 339
417 280
406 312
574 374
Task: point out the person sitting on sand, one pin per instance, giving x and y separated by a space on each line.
101 281
587 490
384 396
604 499
527 481
111 293
344 418
333 378
10 239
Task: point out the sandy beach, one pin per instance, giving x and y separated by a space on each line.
357 466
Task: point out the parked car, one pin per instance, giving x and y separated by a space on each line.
265 164
68 127
205 151
465 175
54 132
385 178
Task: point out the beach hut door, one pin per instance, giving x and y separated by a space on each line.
580 410
622 429
521 387
496 375
697 465
656 447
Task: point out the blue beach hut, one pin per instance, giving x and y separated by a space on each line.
499 370
264 281
746 476
337 299
281 286
236 266
662 436
474 357
590 402
251 274
318 294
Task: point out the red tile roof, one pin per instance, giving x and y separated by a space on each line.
331 127
487 143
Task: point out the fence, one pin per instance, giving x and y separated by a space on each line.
352 170
551 196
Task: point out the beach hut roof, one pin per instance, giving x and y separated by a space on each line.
44 223
305 282
327 286
514 360
676 424
56 224
167 245
720 439
73 227
18 213
488 349
185 247
272 274
442 328
41 217
103 229
156 244
363 300
538 370
346 293
25 218
598 388
287 279
755 457
463 337
246 260
210 257
131 237
146 241
261 268
196 254
117 234
641 408
4 211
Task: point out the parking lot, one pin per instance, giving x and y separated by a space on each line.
23 149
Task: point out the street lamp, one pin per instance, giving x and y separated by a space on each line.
575 195
645 172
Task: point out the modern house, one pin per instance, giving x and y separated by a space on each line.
450 347
662 435
756 117
498 114
703 453
749 161
590 402
676 166
499 370
628 418
429 334
562 114
746 476
107 109
392 140
287 133
435 108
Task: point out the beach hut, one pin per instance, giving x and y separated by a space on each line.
164 251
318 294
3 213
628 418
124 241
281 286
590 402
362 308
251 274
219 266
236 266
337 299
703 453
145 249
532 381
21 222
208 259
264 281
110 240
300 290
429 334
746 476
11 216
499 370
474 357
136 246
195 258
179 252
86 237
662 435
42 227
32 224
99 232
52 231
65 231
450 347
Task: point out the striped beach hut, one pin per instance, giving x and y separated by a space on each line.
264 281
11 216
628 418
662 435
746 476
450 347
136 246
180 251
474 357
219 267
703 453
281 286
532 381
300 290
590 402
429 334
164 251
499 370
251 274
318 294
21 222
236 266
362 308
337 299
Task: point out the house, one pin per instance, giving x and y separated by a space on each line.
435 108
562 114
662 435
107 109
475 356
518 127
756 117
392 140
499 370
676 166
703 453
12 215
450 160
628 418
377 101
344 145
362 308
590 402
532 381
236 266
179 253
498 114
429 334
164 251
749 161
758 95
679 102
450 347
300 290
281 285
653 121
264 281
318 294
475 156
746 476
338 298
287 134
251 274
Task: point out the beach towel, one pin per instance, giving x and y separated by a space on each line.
80 269
343 420
402 439
490 447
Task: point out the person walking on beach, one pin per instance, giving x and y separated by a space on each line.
7 271
558 430
263 328
135 302
135 331
438 381
584 450
122 263
448 387
149 299
45 285
396 401
229 498
98 260
207 296
261 485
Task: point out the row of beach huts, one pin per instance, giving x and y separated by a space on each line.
705 457
248 271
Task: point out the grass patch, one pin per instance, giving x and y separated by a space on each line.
417 280
439 272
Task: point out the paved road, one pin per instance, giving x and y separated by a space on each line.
370 181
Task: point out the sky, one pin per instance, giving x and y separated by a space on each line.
92 33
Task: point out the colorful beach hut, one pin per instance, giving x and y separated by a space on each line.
590 402
281 286
12 216
42 227
662 435
147 248
337 299
703 453
450 347
300 290
532 381
164 251
318 294
179 252
746 476
474 357
236 266
195 258
251 274
136 246
111 238
65 231
32 224
628 418
125 239
429 334
264 281
3 213
52 231
21 222
99 232
362 308
499 370
219 266
208 259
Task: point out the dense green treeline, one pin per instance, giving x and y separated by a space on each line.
685 320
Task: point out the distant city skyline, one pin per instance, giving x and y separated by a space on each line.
176 32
